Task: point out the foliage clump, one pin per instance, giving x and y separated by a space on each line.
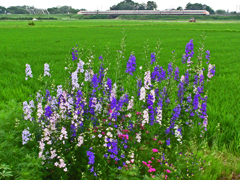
93 125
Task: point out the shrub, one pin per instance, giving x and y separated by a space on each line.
31 23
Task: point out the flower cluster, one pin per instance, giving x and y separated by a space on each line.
131 65
25 136
91 126
28 71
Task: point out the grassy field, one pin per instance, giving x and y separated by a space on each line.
52 42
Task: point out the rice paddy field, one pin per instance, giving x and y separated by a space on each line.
52 42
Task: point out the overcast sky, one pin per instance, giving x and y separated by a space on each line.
231 5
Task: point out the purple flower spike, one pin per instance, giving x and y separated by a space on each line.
74 55
131 65
176 78
208 56
168 142
153 58
188 51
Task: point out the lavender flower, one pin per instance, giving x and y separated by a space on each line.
59 91
147 80
74 77
87 76
211 71
46 70
208 56
25 136
80 66
131 65
28 72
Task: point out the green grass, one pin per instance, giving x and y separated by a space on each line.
52 42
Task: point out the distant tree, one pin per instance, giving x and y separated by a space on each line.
131 5
220 11
124 5
179 8
2 10
53 10
195 6
233 12
17 10
142 6
63 10
198 6
209 9
151 5
128 1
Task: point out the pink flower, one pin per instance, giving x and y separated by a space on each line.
149 162
144 163
153 176
154 150
166 177
151 170
154 139
152 158
123 136
147 132
125 130
103 132
168 171
158 160
137 113
110 111
149 165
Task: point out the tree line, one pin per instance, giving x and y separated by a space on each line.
131 5
123 5
32 10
